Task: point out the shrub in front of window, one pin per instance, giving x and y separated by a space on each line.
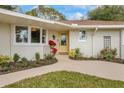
75 53
16 57
37 57
24 59
108 54
23 63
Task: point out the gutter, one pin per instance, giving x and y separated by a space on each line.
98 26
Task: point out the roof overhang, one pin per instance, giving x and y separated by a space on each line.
11 17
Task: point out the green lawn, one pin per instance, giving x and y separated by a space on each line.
64 79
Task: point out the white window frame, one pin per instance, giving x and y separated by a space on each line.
46 37
21 43
109 42
83 40
29 36
40 36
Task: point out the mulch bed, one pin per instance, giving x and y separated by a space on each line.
116 60
31 64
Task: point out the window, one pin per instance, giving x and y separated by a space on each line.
24 35
43 36
82 35
107 41
63 39
21 33
35 35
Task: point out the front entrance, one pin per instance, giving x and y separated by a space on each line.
63 42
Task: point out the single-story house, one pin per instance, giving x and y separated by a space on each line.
26 35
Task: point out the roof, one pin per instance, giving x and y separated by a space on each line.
11 17
93 22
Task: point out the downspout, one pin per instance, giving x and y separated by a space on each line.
93 41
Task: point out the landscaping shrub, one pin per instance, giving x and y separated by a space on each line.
72 53
5 63
48 57
23 63
123 61
108 54
24 59
5 68
37 57
5 59
16 57
8 65
75 53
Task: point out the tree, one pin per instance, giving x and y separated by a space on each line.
107 13
32 12
11 7
46 12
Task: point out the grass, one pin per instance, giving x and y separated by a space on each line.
64 79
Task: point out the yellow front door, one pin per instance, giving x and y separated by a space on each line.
63 41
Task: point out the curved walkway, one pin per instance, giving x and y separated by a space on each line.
102 69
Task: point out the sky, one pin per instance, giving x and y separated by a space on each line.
71 12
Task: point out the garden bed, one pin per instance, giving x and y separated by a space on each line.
106 54
116 60
18 66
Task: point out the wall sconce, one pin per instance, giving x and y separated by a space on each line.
54 37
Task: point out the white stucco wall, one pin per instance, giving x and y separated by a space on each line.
94 42
4 39
98 40
122 44
85 47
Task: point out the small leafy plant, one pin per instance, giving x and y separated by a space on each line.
24 62
16 57
75 53
37 57
48 57
24 59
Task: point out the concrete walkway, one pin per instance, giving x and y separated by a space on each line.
102 69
